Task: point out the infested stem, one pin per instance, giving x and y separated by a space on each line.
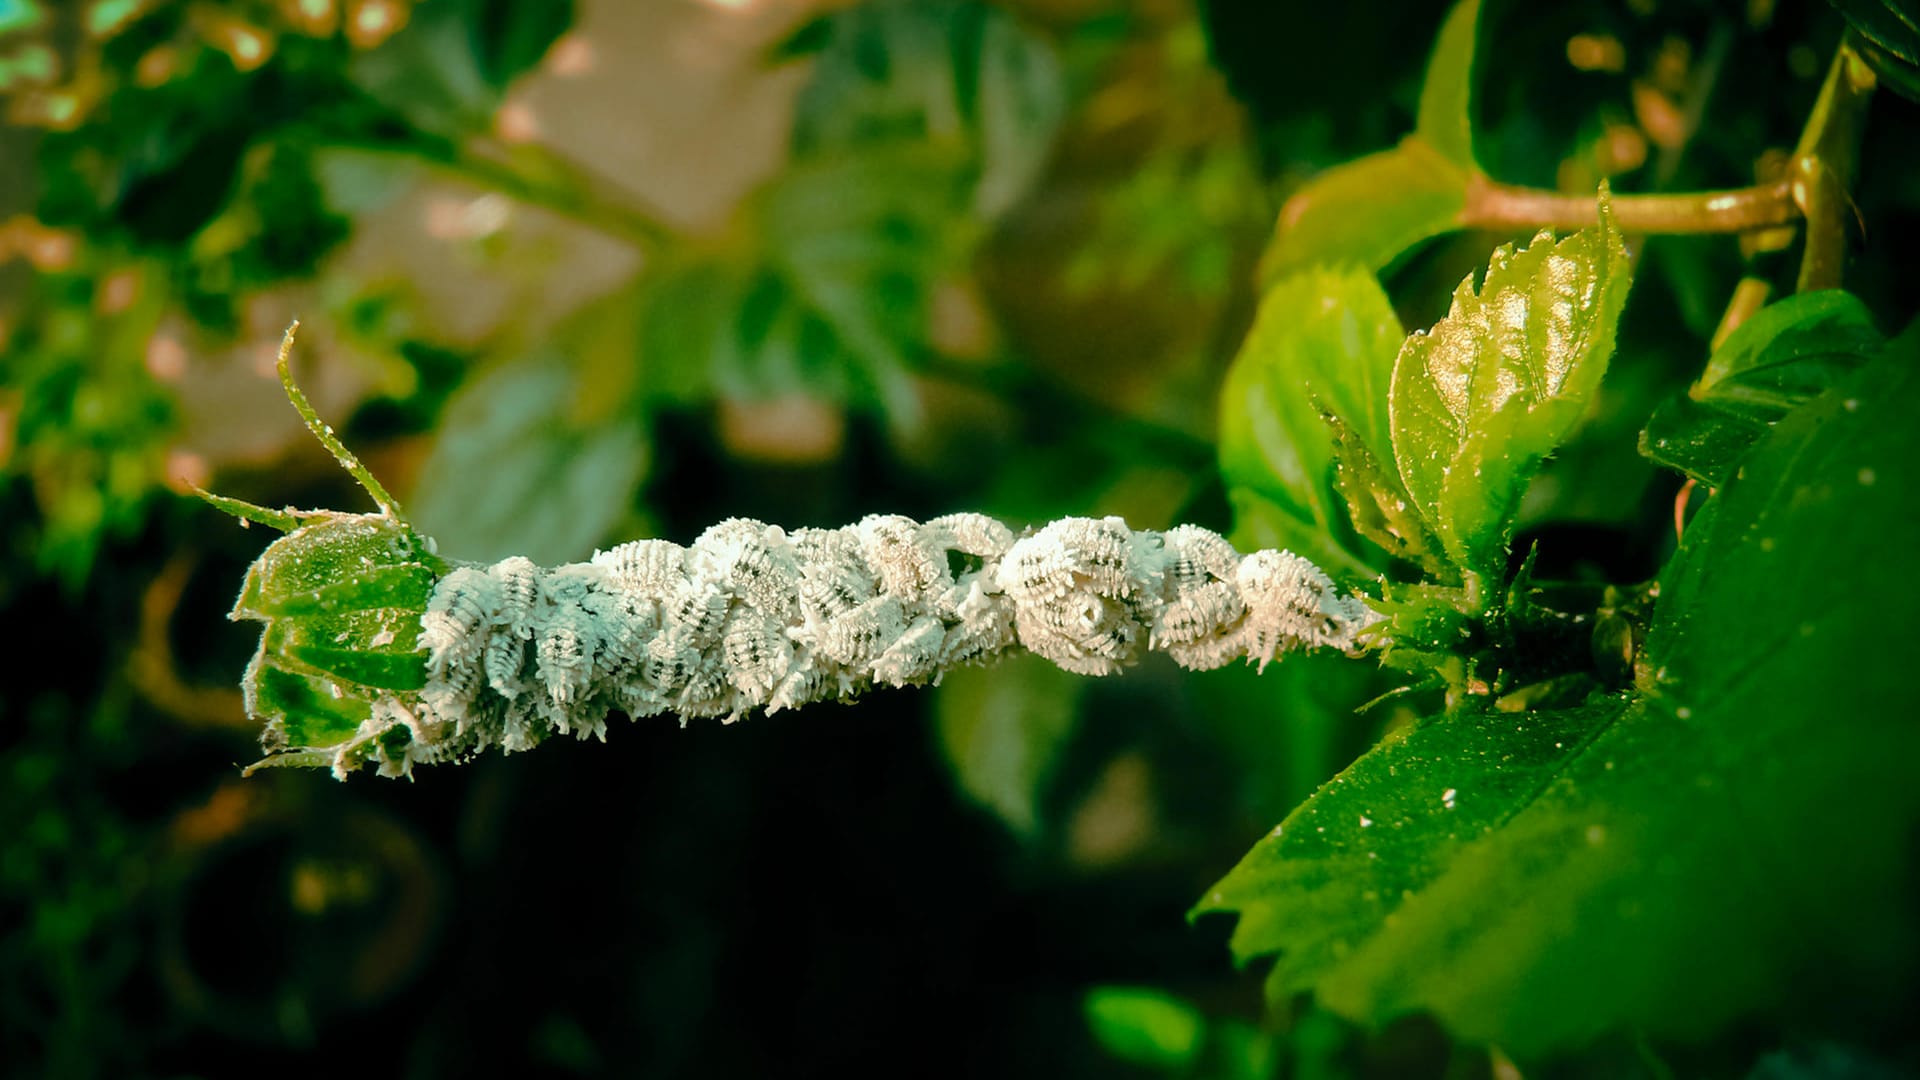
753 618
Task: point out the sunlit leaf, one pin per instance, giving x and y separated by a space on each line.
1733 836
1445 119
1782 357
1324 342
1481 399
1368 211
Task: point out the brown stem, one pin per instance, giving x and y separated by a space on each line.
1506 207
1823 163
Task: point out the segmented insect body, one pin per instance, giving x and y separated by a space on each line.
914 657
834 576
745 618
906 562
462 603
750 617
757 653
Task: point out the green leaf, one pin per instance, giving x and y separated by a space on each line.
1145 1026
1369 211
527 464
1734 836
858 242
832 301
1324 341
1445 119
1372 210
510 37
1003 729
962 78
342 599
1479 401
299 710
1889 32
1783 356
1379 506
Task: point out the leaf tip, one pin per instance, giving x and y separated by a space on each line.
284 520
325 433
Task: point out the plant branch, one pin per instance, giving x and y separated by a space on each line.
1821 173
1493 205
536 176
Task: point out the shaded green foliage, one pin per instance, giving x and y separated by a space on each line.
1621 810
1773 363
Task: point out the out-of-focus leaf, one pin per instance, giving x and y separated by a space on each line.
1145 1026
1825 1061
1368 211
1782 357
1445 119
1890 40
1670 858
831 303
859 242
1480 400
430 73
1003 730
1324 341
963 79
524 467
511 36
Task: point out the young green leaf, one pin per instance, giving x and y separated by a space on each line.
1373 210
1324 342
1445 120
341 597
1776 361
1379 505
1478 402
1735 835
1369 211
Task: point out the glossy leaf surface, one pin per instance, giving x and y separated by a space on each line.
1776 361
1531 878
1324 342
1482 398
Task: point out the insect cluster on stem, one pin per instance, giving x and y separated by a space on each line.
377 650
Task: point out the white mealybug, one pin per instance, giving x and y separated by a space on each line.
751 617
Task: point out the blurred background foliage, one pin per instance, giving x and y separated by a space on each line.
578 272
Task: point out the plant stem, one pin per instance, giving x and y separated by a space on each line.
1749 296
1823 165
536 176
1493 205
